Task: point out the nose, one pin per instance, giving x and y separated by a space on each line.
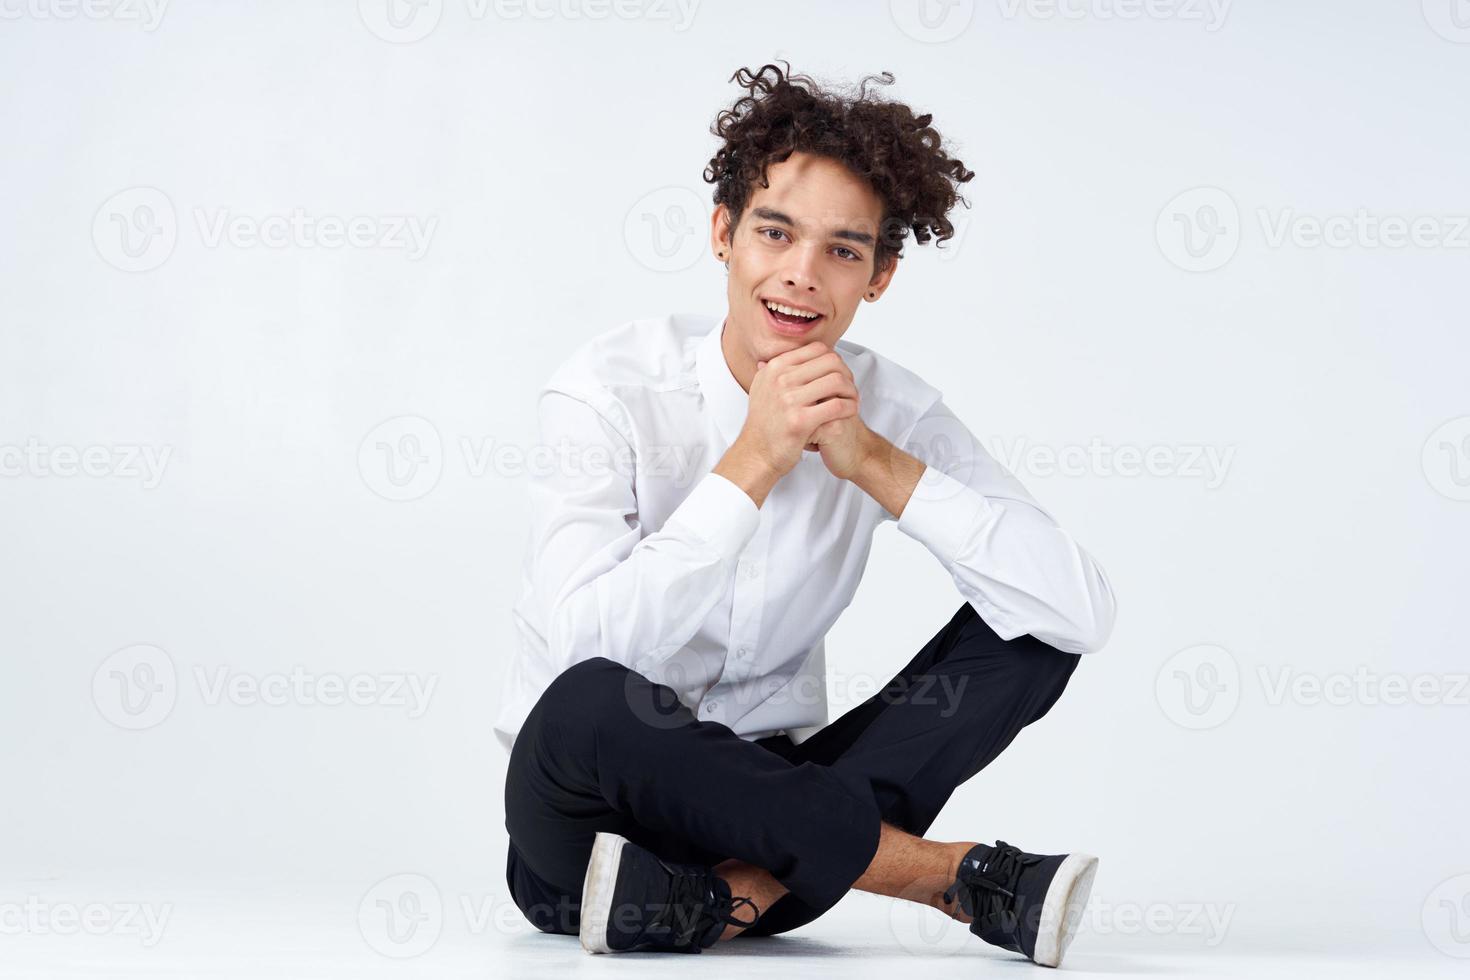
800 270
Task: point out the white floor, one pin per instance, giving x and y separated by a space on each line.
301 933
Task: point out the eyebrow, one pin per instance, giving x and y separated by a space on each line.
847 234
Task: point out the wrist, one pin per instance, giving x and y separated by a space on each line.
872 448
749 469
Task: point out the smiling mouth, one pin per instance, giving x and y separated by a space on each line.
788 318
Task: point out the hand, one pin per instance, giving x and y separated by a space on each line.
793 395
844 444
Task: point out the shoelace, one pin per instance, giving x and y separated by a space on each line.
695 905
993 887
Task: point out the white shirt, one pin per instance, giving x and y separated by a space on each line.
636 552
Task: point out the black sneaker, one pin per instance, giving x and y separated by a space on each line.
1027 903
633 899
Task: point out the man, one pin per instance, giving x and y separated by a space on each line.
672 779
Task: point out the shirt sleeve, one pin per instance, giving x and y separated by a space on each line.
606 587
1007 555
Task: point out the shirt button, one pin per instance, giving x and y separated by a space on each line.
710 707
752 571
742 652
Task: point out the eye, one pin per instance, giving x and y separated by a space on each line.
850 253
777 231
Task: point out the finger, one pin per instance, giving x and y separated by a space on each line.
830 363
828 411
800 355
827 386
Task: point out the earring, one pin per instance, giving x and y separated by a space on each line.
872 295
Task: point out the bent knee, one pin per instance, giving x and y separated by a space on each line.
582 687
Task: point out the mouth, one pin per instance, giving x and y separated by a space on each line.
788 320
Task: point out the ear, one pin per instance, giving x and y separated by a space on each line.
878 284
719 232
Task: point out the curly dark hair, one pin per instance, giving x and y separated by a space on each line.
884 142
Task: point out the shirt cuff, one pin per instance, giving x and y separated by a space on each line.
943 513
721 513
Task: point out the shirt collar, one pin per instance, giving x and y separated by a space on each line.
726 399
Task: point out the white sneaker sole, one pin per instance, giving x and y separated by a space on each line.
597 891
1061 910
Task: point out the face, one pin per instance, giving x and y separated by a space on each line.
805 243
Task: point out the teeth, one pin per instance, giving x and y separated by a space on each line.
789 311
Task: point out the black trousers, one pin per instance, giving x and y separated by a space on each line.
605 749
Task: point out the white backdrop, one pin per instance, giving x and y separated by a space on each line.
279 281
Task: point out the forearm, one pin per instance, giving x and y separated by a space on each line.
887 473
746 469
